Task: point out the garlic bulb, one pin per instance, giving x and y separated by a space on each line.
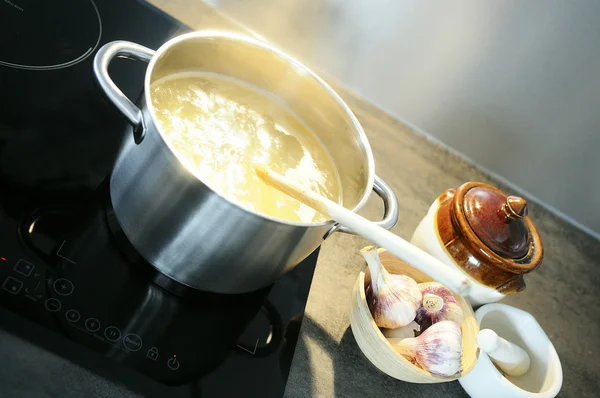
395 299
404 332
437 350
438 304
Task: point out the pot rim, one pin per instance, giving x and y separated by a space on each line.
296 65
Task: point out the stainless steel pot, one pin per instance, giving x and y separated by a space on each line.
179 223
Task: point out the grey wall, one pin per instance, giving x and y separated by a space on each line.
513 85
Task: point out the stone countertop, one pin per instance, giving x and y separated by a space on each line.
564 294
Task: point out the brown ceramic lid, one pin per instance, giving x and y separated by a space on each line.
496 219
497 226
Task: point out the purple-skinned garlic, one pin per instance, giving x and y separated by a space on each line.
438 304
437 350
393 299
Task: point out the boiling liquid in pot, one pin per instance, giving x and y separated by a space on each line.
220 127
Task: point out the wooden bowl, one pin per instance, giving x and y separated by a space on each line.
377 348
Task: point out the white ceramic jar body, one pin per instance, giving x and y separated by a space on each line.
426 238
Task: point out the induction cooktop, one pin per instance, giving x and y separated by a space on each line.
66 266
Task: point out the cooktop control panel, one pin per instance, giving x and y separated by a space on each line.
66 272
31 288
54 301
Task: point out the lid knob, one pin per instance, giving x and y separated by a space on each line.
515 208
497 220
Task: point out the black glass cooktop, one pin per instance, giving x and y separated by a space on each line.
64 263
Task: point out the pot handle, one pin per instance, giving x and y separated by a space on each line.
121 49
390 205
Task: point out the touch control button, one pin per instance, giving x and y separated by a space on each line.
63 286
52 305
173 363
152 353
112 333
132 342
72 316
12 285
92 324
23 267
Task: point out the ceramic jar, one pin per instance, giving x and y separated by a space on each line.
480 230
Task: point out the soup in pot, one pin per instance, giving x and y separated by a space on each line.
220 128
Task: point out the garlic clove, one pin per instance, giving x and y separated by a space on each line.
437 350
438 304
404 332
395 297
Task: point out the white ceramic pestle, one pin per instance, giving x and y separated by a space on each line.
509 357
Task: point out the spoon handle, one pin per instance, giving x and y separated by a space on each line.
421 260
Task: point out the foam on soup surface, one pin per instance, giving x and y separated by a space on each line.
220 128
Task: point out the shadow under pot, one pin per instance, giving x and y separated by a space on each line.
486 233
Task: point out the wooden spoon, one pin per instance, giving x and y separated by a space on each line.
421 260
